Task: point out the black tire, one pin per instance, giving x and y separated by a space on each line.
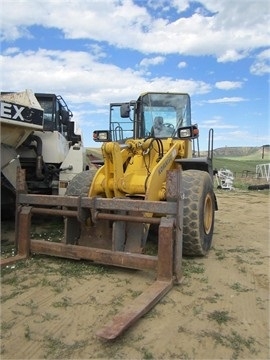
259 187
199 211
80 184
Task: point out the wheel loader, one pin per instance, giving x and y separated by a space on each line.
151 183
37 135
146 138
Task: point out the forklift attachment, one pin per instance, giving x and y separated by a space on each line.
168 215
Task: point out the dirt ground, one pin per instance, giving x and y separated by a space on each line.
52 308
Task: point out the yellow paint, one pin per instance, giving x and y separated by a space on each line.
137 169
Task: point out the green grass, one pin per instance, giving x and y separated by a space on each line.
221 317
238 165
58 349
192 267
243 169
239 287
234 341
64 303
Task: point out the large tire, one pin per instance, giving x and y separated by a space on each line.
80 184
199 210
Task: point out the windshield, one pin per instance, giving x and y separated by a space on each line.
164 113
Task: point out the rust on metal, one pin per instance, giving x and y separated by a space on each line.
101 256
138 219
139 306
158 207
57 212
24 234
21 186
12 260
105 231
165 249
174 193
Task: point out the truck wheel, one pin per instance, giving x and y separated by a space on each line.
199 207
80 184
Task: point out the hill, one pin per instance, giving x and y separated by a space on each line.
248 153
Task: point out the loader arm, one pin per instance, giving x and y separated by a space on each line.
155 186
105 182
138 171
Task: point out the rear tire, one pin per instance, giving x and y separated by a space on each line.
199 210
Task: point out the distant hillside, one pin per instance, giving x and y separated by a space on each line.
248 153
95 152
236 151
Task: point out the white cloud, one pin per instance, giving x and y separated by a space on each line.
240 135
167 4
228 85
80 78
231 55
229 30
226 100
261 65
152 61
182 64
96 50
217 123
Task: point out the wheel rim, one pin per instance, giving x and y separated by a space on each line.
208 214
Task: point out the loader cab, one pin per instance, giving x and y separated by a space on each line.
160 115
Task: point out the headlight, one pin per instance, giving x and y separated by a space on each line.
184 133
101 135
188 132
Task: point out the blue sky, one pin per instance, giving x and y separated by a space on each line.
94 52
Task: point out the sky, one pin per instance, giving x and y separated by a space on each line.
94 52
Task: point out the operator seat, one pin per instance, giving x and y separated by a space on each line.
157 126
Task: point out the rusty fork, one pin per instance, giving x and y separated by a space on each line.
167 263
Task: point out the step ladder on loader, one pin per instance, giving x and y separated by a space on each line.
168 215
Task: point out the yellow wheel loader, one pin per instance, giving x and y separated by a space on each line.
151 183
147 138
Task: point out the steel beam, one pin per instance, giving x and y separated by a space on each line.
101 256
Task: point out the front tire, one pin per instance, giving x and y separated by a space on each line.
199 211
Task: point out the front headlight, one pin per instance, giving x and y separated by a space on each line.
183 133
101 135
188 132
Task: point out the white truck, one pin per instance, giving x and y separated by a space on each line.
37 134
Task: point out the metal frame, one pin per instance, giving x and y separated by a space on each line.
167 264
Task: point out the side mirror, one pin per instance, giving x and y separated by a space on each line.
101 135
188 132
125 110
